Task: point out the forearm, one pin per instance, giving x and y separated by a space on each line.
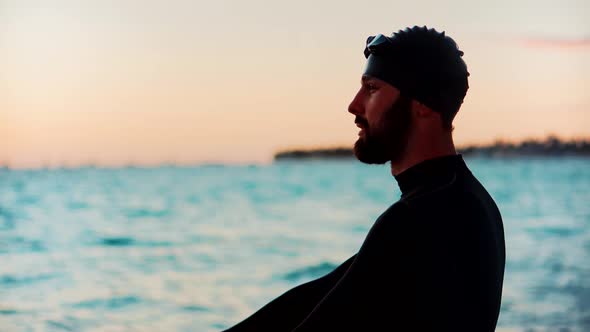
288 310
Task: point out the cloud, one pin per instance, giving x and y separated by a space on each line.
556 43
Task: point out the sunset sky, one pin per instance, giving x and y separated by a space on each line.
148 82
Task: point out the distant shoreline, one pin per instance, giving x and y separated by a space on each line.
549 147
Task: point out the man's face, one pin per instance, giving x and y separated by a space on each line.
384 118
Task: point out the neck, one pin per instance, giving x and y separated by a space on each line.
418 151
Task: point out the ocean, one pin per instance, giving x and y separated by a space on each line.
200 248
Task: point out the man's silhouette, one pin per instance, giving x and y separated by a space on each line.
434 260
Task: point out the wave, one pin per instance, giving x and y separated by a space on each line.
13 281
312 271
117 241
9 311
6 219
193 307
125 241
20 244
111 303
146 213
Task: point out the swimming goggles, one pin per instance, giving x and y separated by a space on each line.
376 44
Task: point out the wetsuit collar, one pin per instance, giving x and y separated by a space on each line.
430 172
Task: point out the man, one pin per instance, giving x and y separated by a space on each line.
434 260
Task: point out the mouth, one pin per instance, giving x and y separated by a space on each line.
362 131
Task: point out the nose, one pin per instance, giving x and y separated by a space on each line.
355 106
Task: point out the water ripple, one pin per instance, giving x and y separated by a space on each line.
199 248
312 271
20 244
125 241
109 303
14 281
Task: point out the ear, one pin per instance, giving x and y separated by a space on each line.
421 110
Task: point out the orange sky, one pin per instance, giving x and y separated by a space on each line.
151 82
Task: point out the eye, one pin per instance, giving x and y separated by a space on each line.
369 86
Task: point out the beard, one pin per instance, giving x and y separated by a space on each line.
387 140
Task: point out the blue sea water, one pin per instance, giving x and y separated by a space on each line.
201 248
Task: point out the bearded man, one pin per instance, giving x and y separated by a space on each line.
434 260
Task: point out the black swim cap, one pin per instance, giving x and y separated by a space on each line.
424 65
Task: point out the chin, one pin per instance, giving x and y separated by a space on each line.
366 155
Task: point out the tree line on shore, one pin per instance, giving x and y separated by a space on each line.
551 146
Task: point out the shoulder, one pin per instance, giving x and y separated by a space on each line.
397 209
425 196
397 215
451 195
394 225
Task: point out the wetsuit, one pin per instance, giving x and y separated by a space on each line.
433 261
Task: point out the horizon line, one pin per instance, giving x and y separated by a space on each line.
250 163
